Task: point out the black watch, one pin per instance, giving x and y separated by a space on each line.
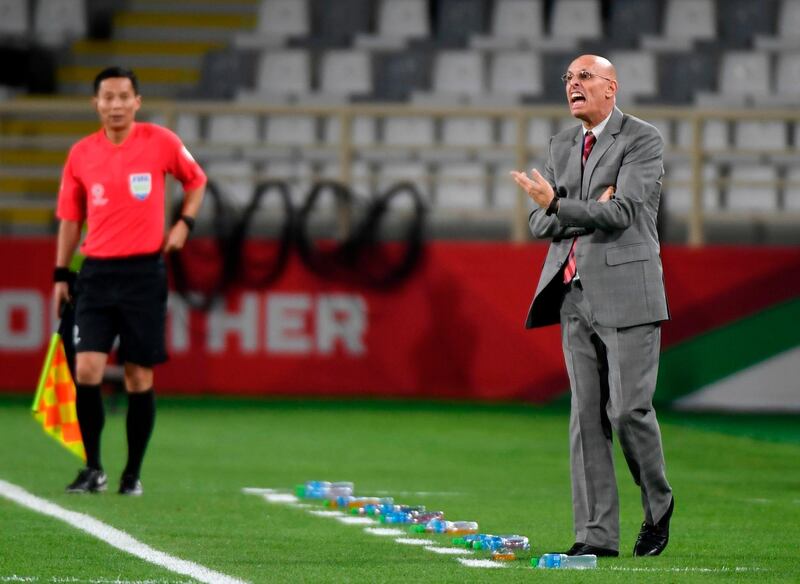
553 206
188 220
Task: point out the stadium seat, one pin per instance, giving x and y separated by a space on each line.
456 21
283 18
278 20
293 130
283 73
13 19
757 191
791 193
636 71
345 73
461 186
390 173
57 21
760 135
515 73
187 126
515 23
787 81
576 19
741 20
677 192
715 135
682 74
538 134
788 29
505 192
467 131
631 19
239 129
398 21
297 173
743 77
360 176
235 179
458 74
398 74
363 130
221 75
685 21
336 24
408 131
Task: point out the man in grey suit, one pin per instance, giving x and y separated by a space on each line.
602 280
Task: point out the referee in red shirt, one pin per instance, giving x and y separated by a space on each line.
114 181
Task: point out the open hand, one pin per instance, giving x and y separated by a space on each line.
536 187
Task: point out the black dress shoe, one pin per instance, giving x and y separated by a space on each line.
654 538
583 549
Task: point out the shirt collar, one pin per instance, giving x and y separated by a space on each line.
598 129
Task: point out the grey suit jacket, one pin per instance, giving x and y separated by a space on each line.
618 256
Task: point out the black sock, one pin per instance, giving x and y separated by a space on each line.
91 418
140 421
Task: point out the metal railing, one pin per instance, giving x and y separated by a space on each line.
24 132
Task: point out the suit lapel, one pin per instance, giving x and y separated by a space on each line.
574 164
604 142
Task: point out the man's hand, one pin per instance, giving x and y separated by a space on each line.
537 188
60 296
176 238
607 195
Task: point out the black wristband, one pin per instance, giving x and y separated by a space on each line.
61 274
188 220
553 206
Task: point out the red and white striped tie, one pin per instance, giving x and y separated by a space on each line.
572 267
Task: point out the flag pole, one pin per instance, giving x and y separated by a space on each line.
51 350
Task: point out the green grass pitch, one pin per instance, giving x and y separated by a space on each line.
736 482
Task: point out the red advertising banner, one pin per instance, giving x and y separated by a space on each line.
454 329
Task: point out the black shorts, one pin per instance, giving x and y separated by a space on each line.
125 297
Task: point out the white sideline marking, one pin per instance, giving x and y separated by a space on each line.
326 513
736 569
414 541
449 551
257 491
384 531
472 563
357 520
281 498
74 580
419 493
114 537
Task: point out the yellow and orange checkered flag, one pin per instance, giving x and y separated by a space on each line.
54 404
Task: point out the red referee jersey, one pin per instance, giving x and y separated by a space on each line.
119 189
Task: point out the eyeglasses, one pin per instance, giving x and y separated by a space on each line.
583 75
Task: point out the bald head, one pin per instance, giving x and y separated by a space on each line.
591 87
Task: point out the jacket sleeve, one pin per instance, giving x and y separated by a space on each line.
639 178
545 226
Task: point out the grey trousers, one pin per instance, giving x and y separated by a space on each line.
612 375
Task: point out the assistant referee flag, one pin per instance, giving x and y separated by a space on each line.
54 404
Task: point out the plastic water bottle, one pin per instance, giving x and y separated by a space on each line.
425 517
564 561
468 540
350 502
323 490
437 525
498 542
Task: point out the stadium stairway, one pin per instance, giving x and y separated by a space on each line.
163 41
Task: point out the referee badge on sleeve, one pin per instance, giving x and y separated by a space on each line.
140 184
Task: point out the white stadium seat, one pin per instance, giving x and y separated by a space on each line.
58 21
756 191
14 18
